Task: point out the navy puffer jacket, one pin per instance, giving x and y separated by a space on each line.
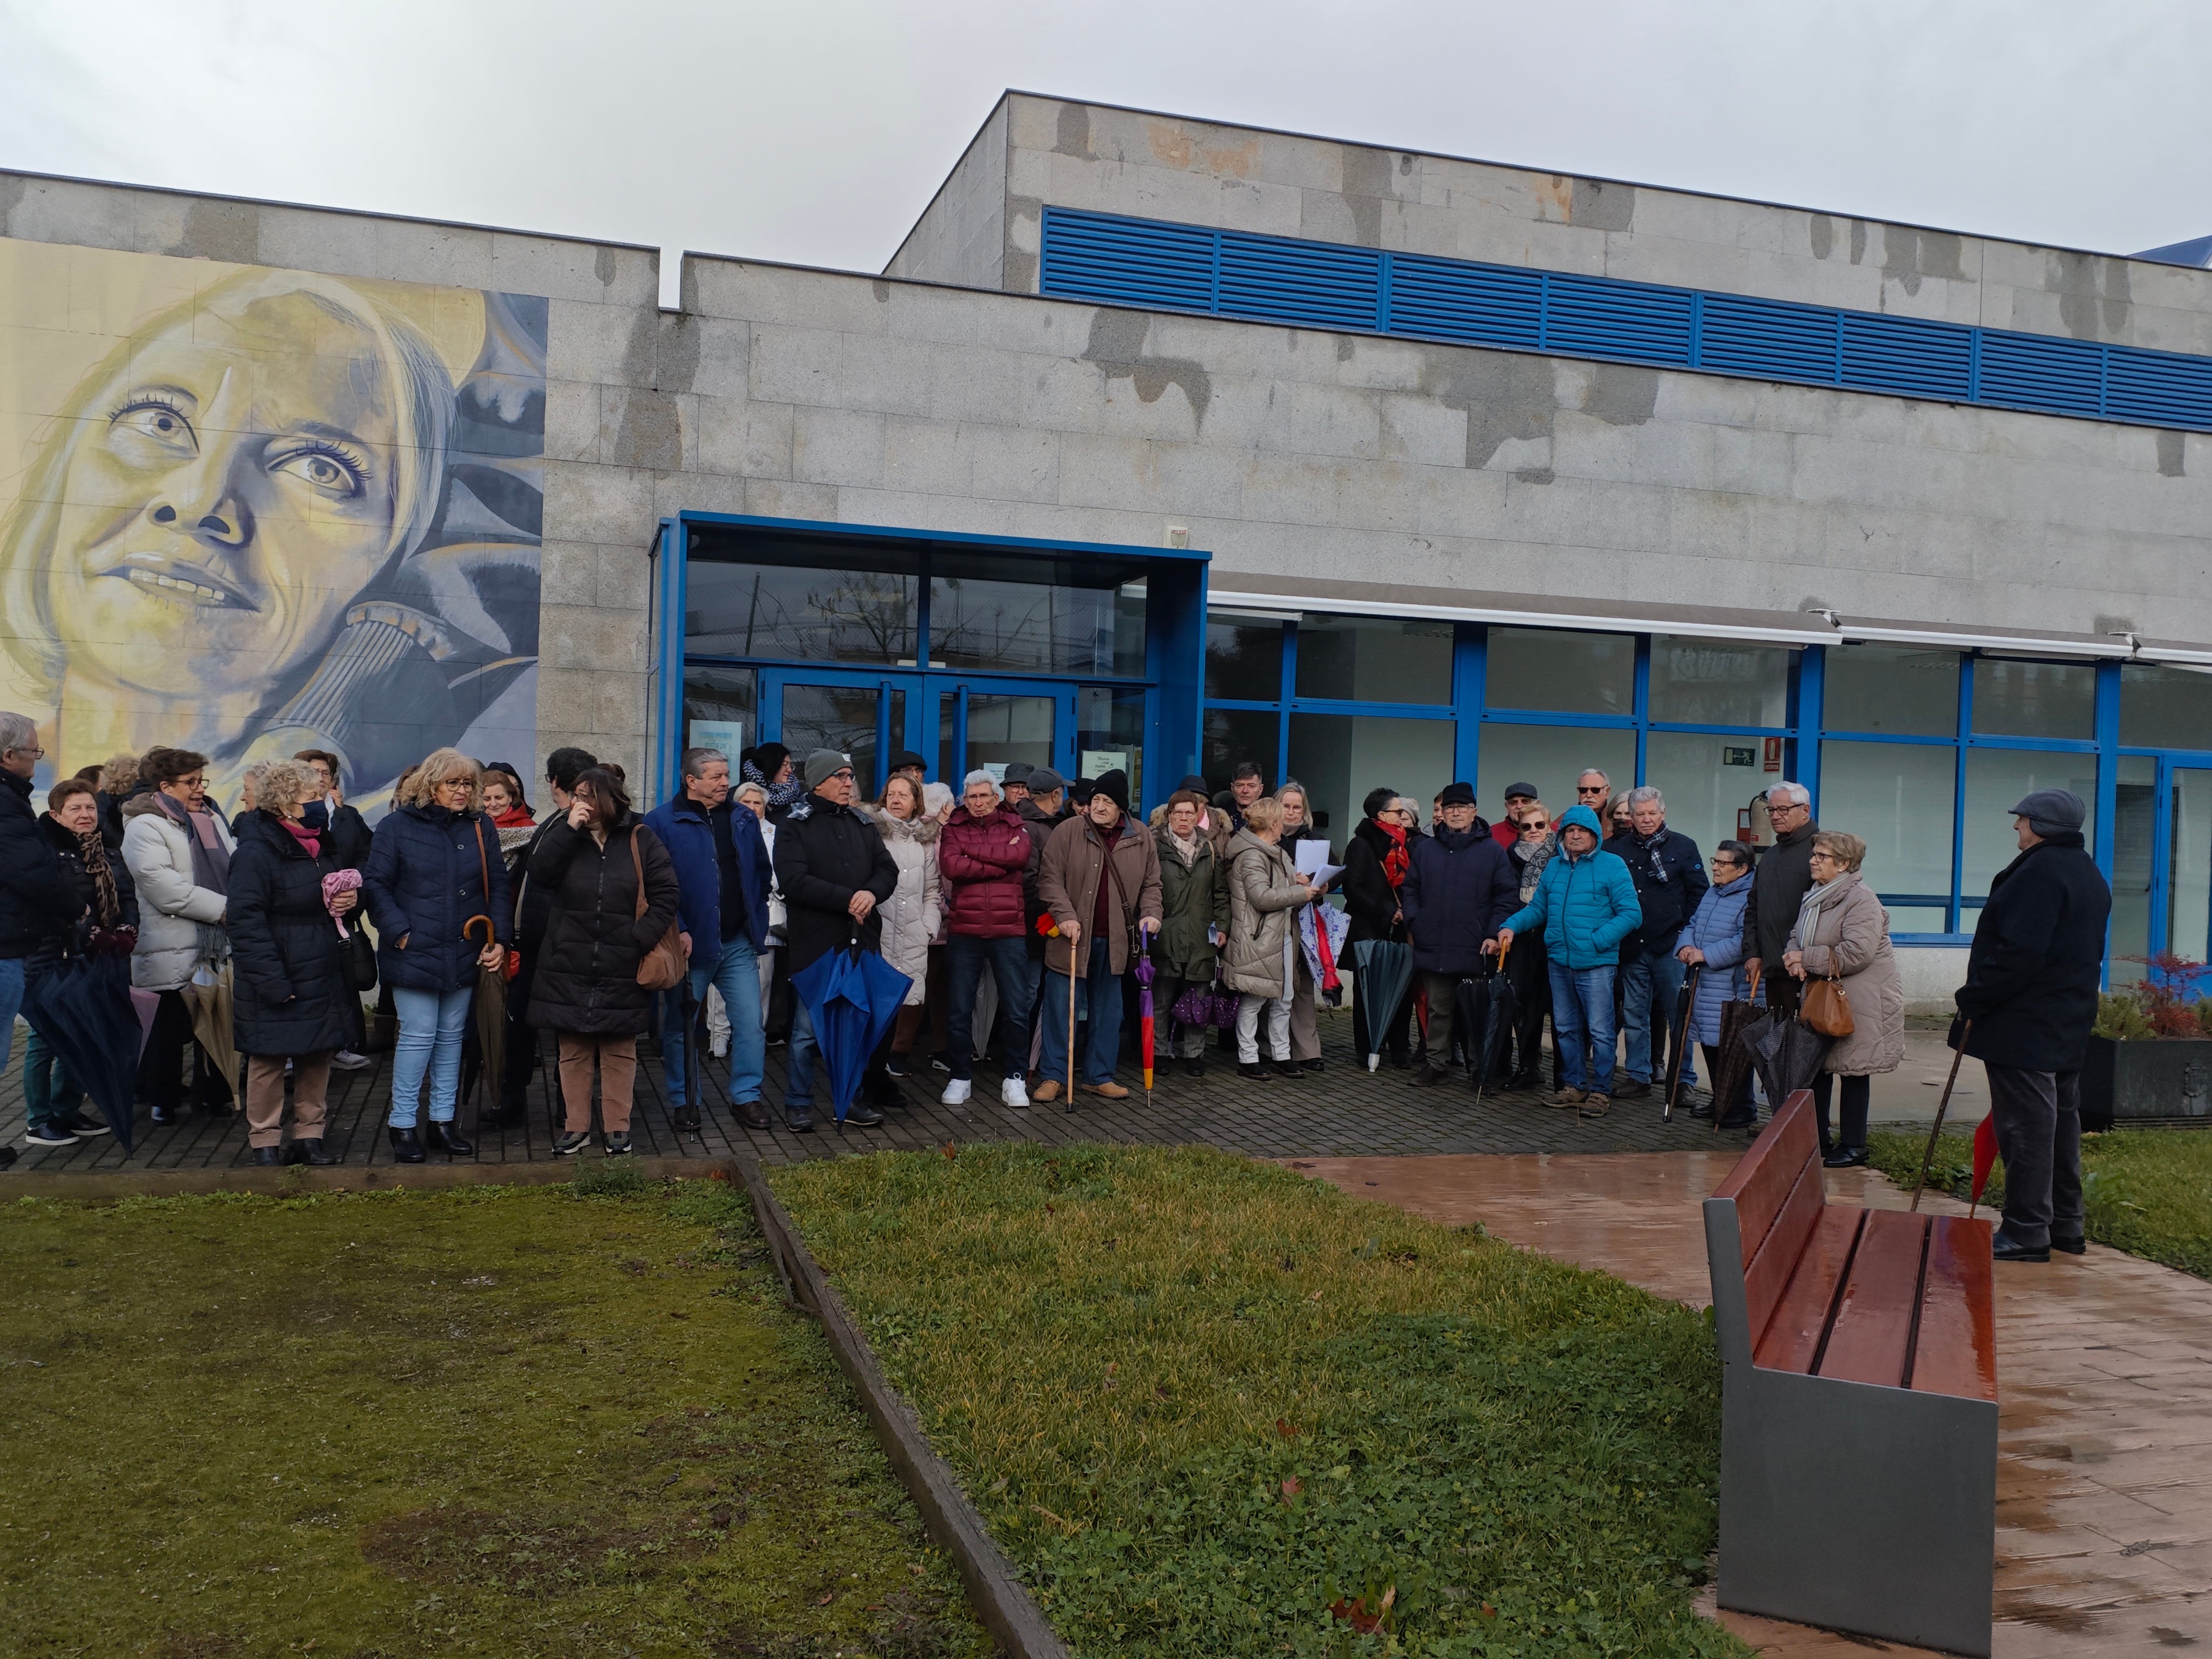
424 880
1460 887
289 962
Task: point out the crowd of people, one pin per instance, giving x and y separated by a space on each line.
1017 912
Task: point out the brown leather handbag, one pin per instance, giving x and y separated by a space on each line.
1826 1009
663 967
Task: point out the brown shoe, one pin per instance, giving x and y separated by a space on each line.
1566 1098
1048 1090
1594 1106
1110 1089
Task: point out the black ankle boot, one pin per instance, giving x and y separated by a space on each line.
268 1154
310 1150
447 1138
406 1146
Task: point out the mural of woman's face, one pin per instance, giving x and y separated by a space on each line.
234 488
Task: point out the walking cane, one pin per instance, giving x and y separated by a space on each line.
1070 1026
1941 1106
691 1071
1689 993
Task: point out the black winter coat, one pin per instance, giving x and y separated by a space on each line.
1369 897
1779 882
425 881
85 891
585 977
289 995
824 853
35 909
2039 955
533 904
1667 904
1459 890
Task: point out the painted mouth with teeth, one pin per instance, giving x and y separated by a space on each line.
187 584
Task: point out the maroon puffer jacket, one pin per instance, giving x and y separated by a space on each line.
980 865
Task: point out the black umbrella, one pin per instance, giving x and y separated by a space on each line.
1386 969
1501 1009
1687 1000
82 1009
1787 1054
1731 1078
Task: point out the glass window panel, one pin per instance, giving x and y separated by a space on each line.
1996 779
2034 699
2134 832
1567 673
1700 682
2188 887
1916 919
2164 706
1033 627
1244 659
1549 757
1892 688
845 718
1001 730
1110 731
1706 781
1339 757
1241 734
719 708
1372 660
799 612
1898 798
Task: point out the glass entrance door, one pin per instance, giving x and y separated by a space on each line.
2161 864
991 725
863 716
2189 864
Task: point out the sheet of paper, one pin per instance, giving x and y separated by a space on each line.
1310 858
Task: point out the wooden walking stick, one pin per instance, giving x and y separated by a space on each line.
1070 1024
1941 1106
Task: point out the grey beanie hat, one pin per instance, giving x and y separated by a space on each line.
820 764
2052 811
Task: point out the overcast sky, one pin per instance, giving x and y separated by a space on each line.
816 131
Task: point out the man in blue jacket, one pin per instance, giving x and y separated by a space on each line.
722 868
1460 887
1586 903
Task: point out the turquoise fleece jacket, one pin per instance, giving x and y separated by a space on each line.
1586 906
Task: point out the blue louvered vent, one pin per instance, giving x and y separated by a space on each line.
1280 279
1319 284
1766 337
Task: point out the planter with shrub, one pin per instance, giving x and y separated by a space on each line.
2150 1051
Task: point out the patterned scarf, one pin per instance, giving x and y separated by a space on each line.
92 853
1397 861
781 797
210 858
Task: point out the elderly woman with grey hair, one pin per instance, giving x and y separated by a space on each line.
984 854
1842 934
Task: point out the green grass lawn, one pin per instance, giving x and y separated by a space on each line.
493 1420
1211 1408
2147 1191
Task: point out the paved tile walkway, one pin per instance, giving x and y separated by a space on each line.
2104 1378
1342 1110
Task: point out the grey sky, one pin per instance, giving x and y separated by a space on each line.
817 132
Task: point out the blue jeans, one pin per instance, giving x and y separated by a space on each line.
1582 1025
1008 959
11 1004
431 1024
799 1063
1099 994
48 1094
1651 990
736 974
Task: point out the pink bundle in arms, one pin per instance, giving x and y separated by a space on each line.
339 881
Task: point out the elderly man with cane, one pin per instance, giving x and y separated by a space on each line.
2025 1013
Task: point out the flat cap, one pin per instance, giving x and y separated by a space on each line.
2051 812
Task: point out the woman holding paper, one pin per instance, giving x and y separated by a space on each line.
1309 856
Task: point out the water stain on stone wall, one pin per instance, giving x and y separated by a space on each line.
1117 346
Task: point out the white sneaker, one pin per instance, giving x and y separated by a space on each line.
346 1061
1011 1093
955 1092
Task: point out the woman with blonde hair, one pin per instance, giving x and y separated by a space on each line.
912 914
1259 960
438 897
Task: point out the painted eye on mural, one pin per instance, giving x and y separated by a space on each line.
325 468
157 419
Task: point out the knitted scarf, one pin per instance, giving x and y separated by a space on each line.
781 797
210 858
92 853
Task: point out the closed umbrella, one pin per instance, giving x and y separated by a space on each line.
853 996
1787 1054
1501 1011
83 1008
1145 973
207 996
1732 1073
1688 1000
1386 969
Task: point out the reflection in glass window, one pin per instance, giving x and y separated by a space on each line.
1706 781
2165 706
1374 660
1001 730
1898 798
1916 919
850 720
1996 780
1549 757
1563 673
1339 757
1244 657
2188 882
1241 734
1900 689
1110 731
799 612
2034 699
2135 830
1044 627
1700 682
719 710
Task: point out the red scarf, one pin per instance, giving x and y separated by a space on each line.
1397 861
515 817
307 837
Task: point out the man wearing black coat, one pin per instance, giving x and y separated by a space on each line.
1460 889
835 870
1779 882
33 906
2025 1013
1670 879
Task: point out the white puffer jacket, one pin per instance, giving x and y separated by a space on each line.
911 915
179 923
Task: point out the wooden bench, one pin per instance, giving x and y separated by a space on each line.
1859 1404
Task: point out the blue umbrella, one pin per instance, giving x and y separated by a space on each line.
853 996
83 1008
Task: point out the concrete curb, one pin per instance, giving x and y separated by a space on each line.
999 1597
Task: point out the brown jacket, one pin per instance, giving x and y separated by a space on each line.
1850 942
1067 883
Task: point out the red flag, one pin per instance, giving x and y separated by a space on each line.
1986 1154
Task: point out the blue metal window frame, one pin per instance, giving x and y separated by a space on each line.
1169 704
1149 263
